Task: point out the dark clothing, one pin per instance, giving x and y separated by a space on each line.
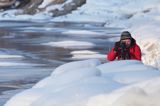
131 53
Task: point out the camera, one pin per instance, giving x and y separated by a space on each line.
123 45
124 53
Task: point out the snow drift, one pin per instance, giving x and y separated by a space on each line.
90 83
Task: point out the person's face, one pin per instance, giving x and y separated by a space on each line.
127 42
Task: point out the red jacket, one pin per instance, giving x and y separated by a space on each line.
134 52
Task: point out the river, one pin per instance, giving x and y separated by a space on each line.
31 61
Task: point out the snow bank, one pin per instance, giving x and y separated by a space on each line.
141 94
75 65
149 40
90 83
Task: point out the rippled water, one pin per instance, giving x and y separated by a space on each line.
34 61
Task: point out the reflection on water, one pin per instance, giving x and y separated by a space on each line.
38 61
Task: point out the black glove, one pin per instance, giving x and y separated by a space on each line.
116 46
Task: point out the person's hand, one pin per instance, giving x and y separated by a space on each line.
116 46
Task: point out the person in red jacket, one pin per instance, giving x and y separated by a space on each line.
125 49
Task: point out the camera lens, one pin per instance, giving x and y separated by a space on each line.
123 45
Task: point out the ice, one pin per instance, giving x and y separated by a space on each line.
86 54
71 44
7 64
81 32
8 60
89 56
3 56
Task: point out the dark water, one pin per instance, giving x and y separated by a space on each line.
38 61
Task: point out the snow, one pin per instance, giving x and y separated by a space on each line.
91 83
149 41
141 94
12 15
68 66
45 3
109 10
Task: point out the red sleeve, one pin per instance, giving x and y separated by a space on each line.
111 55
138 53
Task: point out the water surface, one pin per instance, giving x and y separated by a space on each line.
34 61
